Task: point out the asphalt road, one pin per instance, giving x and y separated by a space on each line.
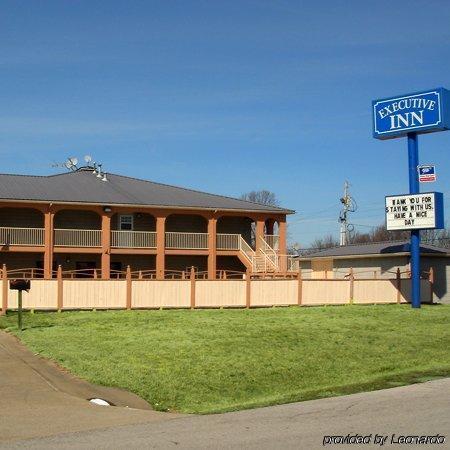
36 414
422 409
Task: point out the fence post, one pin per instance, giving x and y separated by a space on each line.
59 299
5 290
192 287
300 287
352 285
128 280
248 281
399 286
431 280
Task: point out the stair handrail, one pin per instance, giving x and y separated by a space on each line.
270 253
246 250
269 259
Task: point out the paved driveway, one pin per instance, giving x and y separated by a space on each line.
35 414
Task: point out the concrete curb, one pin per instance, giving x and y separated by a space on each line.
61 380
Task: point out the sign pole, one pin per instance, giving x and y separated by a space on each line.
19 309
408 116
414 188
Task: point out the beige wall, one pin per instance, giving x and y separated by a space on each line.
384 267
21 218
74 219
441 267
322 268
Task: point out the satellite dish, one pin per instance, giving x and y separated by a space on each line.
74 161
68 164
88 158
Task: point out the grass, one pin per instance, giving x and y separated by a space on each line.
206 361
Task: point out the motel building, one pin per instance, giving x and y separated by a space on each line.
88 224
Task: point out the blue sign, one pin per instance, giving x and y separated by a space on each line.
423 112
427 173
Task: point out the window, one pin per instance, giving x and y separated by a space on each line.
126 222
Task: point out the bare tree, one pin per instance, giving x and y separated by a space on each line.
263 197
378 234
327 241
439 238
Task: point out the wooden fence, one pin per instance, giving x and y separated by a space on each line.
192 292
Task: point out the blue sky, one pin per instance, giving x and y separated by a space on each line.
224 96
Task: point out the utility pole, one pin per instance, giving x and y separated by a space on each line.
349 206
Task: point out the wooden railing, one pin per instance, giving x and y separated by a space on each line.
270 255
78 238
273 240
137 239
246 250
21 236
133 239
193 241
228 241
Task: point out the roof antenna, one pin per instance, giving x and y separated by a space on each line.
99 174
71 164
104 177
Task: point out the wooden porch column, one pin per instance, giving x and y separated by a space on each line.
282 230
212 248
49 216
106 246
259 233
160 247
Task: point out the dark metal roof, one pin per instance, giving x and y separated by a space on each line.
376 248
82 186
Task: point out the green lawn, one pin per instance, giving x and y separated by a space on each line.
206 361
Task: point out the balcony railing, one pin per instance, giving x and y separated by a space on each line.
21 236
228 241
78 238
125 239
191 241
133 239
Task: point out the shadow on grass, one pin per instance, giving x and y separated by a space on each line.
386 382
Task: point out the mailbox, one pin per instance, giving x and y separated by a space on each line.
20 285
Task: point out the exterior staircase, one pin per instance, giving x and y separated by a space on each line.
263 260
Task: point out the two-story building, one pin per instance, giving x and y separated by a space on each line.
88 223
